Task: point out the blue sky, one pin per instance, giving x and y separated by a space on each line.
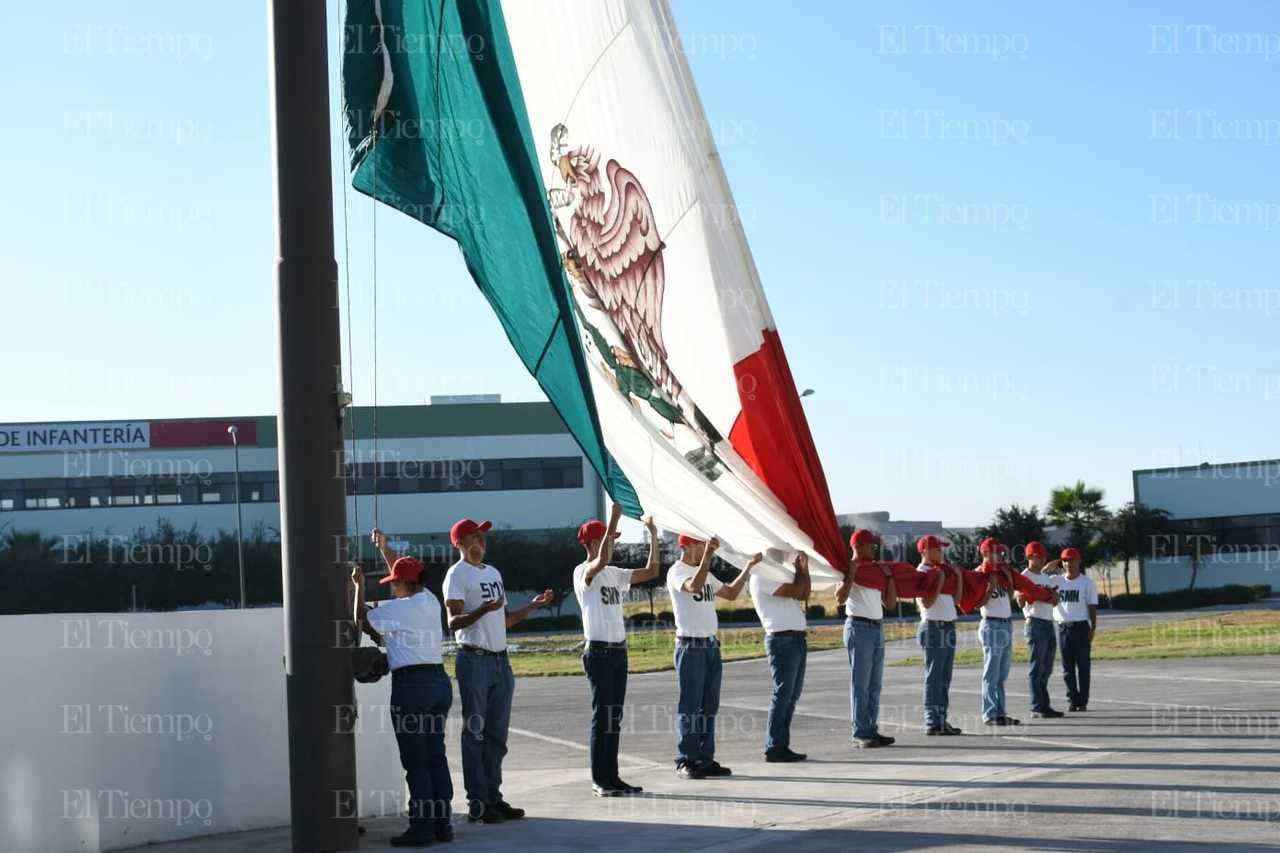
1008 247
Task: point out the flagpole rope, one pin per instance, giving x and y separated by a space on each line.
377 462
349 470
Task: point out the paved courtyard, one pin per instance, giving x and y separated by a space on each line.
1173 755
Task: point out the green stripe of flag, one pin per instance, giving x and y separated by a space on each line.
453 149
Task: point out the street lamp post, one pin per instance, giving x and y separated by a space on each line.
235 451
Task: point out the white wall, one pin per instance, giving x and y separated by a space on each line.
1222 569
209 755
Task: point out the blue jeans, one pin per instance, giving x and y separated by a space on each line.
485 684
698 671
606 671
997 653
1076 648
786 661
865 645
1041 643
420 701
938 640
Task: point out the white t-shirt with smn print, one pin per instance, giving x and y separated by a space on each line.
695 612
474 586
601 603
1074 597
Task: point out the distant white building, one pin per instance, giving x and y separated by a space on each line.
1231 510
513 463
895 536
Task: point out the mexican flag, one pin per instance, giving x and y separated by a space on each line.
562 144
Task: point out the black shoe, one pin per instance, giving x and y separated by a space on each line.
484 813
1011 721
885 740
948 729
715 768
934 731
690 771
508 811
625 788
1075 707
443 831
783 756
1050 714
410 838
874 742
609 791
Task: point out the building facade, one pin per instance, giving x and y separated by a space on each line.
1226 524
412 470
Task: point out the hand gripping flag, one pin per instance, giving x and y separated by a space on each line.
562 144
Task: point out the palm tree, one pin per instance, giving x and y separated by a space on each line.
1132 532
1078 508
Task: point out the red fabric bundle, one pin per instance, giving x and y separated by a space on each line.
1021 583
912 583
906 579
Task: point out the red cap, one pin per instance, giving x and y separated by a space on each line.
685 539
863 536
991 543
1037 549
405 569
924 543
465 527
592 529
1069 554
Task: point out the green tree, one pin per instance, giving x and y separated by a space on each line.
1080 510
1132 532
1015 526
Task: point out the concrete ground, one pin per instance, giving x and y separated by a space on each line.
1173 755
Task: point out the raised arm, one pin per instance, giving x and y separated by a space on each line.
360 610
797 587
731 591
698 579
605 554
380 542
650 570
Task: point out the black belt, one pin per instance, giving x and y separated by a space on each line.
788 633
419 667
1042 619
864 620
1076 622
601 644
697 641
476 650
940 621
997 618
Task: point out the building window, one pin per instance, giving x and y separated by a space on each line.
427 476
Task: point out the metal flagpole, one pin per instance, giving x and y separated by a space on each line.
322 771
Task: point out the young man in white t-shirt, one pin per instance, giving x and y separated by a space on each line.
1038 629
937 635
599 588
476 601
864 640
409 627
1076 615
693 591
780 607
995 634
